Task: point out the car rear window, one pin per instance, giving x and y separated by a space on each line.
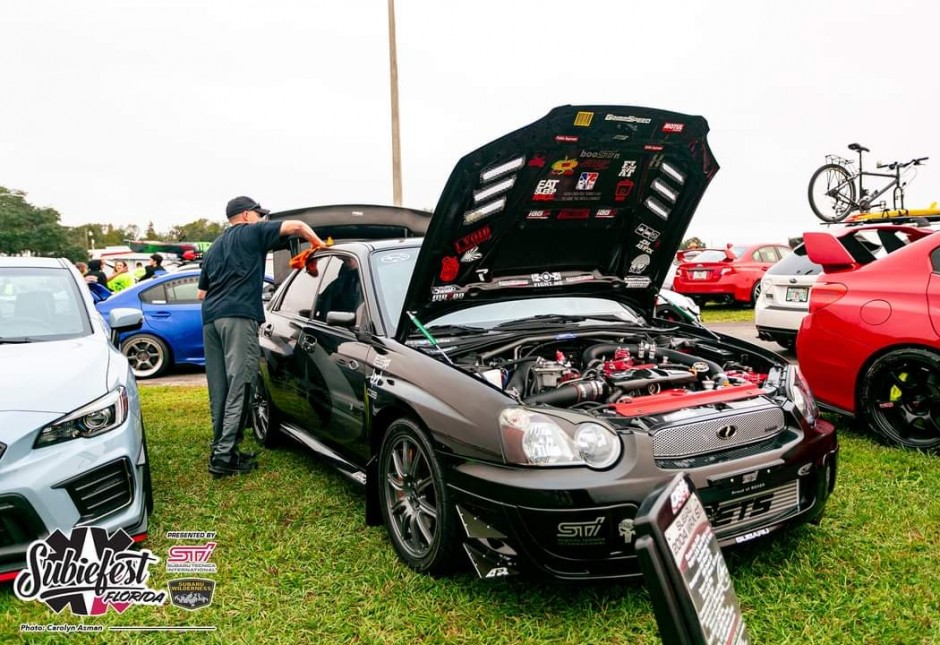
795 264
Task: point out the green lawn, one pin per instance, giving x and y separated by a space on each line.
296 563
712 313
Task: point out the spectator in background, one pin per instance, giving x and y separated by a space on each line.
156 262
82 268
121 278
139 271
95 274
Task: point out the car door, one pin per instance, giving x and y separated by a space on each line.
335 360
173 312
283 360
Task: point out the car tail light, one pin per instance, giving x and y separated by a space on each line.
726 270
824 294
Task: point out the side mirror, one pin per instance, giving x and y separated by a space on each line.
124 319
341 318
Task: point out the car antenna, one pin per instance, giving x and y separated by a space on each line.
427 334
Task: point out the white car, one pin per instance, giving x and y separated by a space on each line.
784 299
72 448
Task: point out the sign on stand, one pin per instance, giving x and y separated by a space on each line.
693 595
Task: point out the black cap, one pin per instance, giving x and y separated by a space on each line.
242 204
156 257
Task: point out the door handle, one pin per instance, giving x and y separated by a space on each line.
308 343
160 314
266 330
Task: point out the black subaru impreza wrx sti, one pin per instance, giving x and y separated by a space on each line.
493 375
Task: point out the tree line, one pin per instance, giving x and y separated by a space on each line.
26 229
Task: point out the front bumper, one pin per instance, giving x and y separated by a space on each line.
96 481
576 525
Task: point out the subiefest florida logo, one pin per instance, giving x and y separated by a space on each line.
88 571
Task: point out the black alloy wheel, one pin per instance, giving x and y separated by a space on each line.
418 515
901 398
265 418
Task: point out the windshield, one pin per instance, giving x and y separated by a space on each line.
39 304
392 270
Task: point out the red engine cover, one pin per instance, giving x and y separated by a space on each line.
677 399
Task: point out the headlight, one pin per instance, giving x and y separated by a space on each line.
800 394
537 439
98 417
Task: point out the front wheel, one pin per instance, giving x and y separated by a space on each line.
832 193
416 508
901 398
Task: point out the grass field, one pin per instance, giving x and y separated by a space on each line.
715 313
296 563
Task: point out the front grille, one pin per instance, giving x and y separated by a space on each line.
102 490
776 442
733 516
713 435
19 523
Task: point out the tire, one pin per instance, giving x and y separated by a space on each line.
828 204
670 313
787 342
901 398
148 355
265 418
755 293
415 504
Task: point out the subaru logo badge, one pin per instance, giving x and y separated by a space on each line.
726 432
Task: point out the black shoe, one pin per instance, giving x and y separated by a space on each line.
245 455
223 467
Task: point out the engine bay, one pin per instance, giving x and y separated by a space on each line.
625 376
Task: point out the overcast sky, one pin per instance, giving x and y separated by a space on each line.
127 111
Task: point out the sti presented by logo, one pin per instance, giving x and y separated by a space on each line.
590 529
189 558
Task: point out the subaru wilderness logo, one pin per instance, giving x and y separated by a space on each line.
88 571
191 593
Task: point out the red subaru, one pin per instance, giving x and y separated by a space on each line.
732 274
870 346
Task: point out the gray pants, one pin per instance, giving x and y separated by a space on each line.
232 357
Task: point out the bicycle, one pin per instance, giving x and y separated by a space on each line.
833 192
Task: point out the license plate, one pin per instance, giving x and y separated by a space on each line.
743 511
700 275
797 294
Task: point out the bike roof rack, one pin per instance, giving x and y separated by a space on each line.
915 216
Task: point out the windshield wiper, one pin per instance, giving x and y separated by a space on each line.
554 320
16 341
454 330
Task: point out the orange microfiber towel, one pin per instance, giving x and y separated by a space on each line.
308 260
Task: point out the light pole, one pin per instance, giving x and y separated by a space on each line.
393 74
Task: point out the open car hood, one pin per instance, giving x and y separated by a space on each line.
588 200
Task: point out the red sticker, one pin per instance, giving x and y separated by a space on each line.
566 138
537 160
673 127
574 213
622 191
475 238
449 268
652 148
